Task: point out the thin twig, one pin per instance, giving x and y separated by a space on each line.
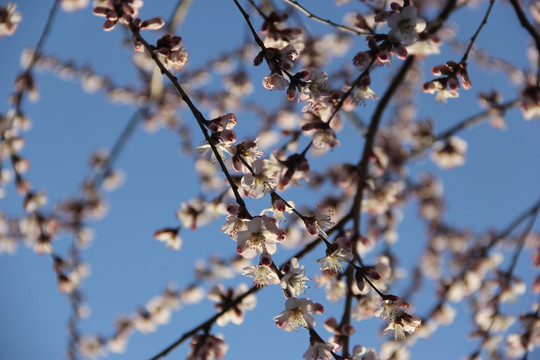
201 121
473 38
35 57
370 138
253 31
507 278
531 30
310 15
462 125
532 211
120 144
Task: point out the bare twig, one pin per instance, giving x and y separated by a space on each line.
310 15
531 30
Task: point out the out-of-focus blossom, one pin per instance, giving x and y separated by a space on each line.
9 19
319 350
198 212
225 298
207 347
530 102
325 139
170 237
405 26
426 47
73 5
443 94
450 153
92 347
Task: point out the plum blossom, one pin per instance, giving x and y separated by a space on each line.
294 280
224 122
286 57
198 212
233 223
275 82
336 254
108 9
429 46
362 60
450 153
262 274
316 86
74 5
359 350
92 346
325 139
399 320
517 345
489 320
279 208
226 302
443 94
9 19
170 237
33 201
319 350
221 148
322 135
261 235
171 52
298 313
260 182
380 197
405 26
249 152
207 347
363 93
315 225
277 60
530 102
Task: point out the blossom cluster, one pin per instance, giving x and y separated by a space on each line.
255 188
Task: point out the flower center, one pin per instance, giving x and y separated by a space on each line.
257 240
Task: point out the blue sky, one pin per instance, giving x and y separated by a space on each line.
498 181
